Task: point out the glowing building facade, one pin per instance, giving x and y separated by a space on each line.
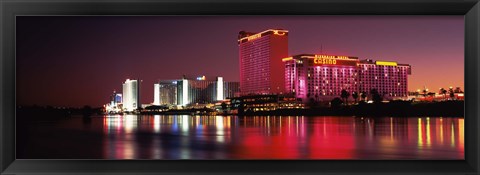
165 92
260 60
203 91
387 77
156 94
131 95
115 98
231 89
115 105
323 77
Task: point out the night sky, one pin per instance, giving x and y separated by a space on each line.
76 61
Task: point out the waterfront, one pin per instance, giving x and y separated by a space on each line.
233 137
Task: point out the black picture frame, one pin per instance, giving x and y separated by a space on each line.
11 8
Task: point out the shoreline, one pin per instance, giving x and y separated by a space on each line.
392 109
399 109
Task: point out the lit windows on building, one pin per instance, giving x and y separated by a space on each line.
255 103
389 78
131 95
319 76
260 60
323 77
165 92
203 90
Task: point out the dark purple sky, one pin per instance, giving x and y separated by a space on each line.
76 61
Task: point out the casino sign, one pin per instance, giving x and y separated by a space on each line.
334 60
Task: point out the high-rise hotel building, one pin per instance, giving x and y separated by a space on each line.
189 90
319 76
165 92
260 56
199 90
387 77
131 95
323 77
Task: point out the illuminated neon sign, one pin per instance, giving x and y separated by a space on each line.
275 32
332 56
386 63
320 60
258 35
201 78
334 60
287 59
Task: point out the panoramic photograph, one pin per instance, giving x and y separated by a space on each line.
240 87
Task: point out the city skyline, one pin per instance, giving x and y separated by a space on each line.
94 55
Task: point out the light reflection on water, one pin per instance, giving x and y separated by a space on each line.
273 137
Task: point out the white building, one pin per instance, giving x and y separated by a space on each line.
165 92
131 95
156 94
204 90
193 90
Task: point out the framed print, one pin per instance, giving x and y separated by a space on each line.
336 87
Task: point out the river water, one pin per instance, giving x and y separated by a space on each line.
233 137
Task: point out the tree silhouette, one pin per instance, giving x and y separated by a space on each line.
241 107
424 92
376 97
452 93
355 96
458 90
87 111
224 106
312 103
336 103
444 92
364 95
344 94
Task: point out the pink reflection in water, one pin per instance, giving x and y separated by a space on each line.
270 137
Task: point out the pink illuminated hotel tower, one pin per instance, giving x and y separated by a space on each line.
265 68
325 76
261 66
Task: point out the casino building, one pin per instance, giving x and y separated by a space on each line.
323 77
260 56
192 90
165 92
199 90
389 78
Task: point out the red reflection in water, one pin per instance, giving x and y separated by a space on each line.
332 138
231 137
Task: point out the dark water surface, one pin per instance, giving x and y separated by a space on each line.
232 137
